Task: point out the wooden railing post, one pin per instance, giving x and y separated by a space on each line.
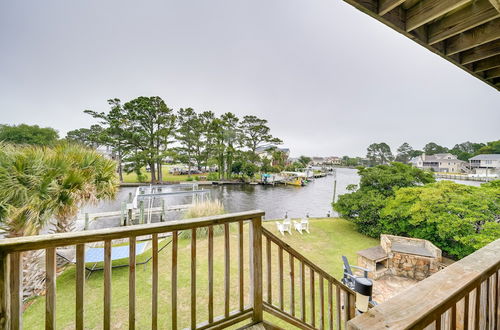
4 291
256 268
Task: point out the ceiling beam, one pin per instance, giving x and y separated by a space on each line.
487 64
428 10
473 38
493 73
469 17
480 52
496 4
385 6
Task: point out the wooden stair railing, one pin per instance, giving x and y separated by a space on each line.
249 305
316 310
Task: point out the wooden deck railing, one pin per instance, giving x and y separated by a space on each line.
463 295
249 296
325 311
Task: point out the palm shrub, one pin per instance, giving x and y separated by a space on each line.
204 209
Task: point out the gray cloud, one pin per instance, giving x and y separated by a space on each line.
330 79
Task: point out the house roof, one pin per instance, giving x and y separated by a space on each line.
465 33
486 157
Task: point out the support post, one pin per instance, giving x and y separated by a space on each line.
256 268
141 212
4 291
86 227
123 217
162 214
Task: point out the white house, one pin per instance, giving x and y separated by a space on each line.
486 165
439 163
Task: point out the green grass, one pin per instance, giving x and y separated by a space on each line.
132 177
328 241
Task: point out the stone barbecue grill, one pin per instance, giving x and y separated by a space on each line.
401 256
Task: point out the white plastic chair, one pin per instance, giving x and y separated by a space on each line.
302 225
285 226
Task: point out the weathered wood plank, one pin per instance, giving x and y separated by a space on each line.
193 278
50 288
80 287
487 63
292 285
269 271
16 290
210 274
338 304
473 38
466 311
107 284
312 297
27 243
471 16
280 265
496 4
4 291
227 270
132 241
302 292
385 6
330 306
256 268
154 282
241 265
477 306
480 52
175 244
427 10
493 73
321 303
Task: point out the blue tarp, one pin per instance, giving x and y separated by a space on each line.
94 255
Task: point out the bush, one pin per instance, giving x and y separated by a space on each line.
204 209
213 176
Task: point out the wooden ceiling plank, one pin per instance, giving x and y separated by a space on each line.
493 73
480 52
385 6
496 4
469 17
473 38
427 10
487 64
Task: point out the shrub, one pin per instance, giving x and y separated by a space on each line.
204 209
213 176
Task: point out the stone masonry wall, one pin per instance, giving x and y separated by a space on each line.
412 266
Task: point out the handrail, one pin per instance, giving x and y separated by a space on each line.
443 296
28 243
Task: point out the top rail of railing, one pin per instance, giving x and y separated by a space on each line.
28 243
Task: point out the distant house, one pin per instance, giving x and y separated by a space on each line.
333 160
317 160
485 165
266 151
445 162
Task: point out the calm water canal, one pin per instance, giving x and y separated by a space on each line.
315 198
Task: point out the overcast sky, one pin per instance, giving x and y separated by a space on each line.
330 79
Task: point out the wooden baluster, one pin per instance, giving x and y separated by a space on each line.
175 239
241 265
330 305
227 271
280 265
131 281
107 284
269 276
466 311
438 322
16 287
312 296
154 284
496 314
5 291
351 309
210 274
292 285
80 286
454 316
256 268
338 304
193 278
321 303
477 307
302 291
487 297
50 288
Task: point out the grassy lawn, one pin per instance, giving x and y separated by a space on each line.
328 241
132 177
